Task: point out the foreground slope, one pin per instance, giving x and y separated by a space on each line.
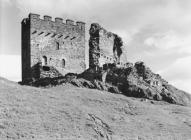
68 112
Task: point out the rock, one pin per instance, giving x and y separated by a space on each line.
157 97
134 81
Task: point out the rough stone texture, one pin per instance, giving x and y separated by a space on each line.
124 81
52 43
94 50
135 81
104 47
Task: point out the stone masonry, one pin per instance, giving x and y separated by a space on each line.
54 48
48 45
104 47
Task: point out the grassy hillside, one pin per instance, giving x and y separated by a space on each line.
67 112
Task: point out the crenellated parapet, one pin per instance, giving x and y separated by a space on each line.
57 22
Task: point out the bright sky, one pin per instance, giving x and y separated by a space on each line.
157 32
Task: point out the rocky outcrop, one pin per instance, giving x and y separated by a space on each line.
49 71
133 81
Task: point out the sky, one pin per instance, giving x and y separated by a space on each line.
157 32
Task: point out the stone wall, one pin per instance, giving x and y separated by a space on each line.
94 49
54 43
26 60
104 47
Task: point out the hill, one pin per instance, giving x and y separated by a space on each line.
69 112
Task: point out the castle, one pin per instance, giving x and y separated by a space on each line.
54 48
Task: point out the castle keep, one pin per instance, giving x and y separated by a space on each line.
51 45
54 48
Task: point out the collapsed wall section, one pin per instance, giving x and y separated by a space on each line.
94 49
104 47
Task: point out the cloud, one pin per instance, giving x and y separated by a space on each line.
169 41
182 84
121 16
179 69
5 2
179 73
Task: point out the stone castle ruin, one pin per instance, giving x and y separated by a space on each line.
54 48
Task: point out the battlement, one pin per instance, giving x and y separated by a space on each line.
34 16
47 18
58 20
50 43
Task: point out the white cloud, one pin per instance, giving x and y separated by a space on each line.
179 73
169 41
34 5
4 2
182 84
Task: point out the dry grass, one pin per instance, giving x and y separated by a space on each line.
66 112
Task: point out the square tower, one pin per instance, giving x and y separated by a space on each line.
51 48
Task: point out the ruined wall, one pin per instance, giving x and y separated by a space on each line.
154 80
54 43
94 50
104 47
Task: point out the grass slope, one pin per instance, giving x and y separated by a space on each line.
66 112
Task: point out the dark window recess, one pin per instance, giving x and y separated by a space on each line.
66 37
34 32
44 60
60 36
40 33
53 35
46 68
73 38
63 63
57 46
47 34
